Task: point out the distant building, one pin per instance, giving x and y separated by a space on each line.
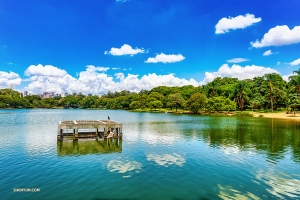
25 93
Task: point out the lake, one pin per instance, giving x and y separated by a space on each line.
161 156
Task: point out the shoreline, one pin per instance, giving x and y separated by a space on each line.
278 115
274 115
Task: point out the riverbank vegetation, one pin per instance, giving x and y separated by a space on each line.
269 92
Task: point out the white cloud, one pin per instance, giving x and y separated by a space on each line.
295 62
278 63
237 60
286 77
278 36
171 58
267 53
9 78
115 68
237 71
124 50
47 70
239 22
95 80
120 76
92 68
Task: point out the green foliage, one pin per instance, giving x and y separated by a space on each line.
196 102
220 103
276 86
225 94
240 93
175 100
155 104
244 114
134 105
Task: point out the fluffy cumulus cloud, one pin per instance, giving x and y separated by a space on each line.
163 58
239 22
295 62
237 71
237 60
95 80
278 36
47 70
125 50
8 79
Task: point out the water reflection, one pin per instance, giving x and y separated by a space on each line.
271 137
89 147
227 192
280 184
122 167
166 159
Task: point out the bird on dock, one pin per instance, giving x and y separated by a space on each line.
108 117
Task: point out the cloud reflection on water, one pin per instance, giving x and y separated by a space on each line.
281 185
124 167
166 159
227 192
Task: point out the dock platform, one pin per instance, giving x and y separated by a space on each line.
88 129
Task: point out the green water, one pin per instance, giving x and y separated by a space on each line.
161 156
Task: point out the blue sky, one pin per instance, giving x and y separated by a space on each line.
100 46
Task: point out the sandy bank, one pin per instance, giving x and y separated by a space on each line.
279 115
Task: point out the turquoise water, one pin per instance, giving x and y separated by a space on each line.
161 156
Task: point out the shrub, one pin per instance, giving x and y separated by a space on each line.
244 114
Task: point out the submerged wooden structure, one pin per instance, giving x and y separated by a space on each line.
79 148
88 129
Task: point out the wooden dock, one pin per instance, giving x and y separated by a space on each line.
88 129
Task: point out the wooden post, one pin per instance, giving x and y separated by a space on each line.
75 134
61 134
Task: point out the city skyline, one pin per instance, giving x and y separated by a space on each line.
133 45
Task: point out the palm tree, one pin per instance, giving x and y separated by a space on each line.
295 81
273 83
240 93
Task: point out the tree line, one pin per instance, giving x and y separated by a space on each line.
222 94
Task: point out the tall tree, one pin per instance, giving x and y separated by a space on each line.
295 81
240 91
274 82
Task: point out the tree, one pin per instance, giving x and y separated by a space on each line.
88 101
274 82
134 105
155 104
212 87
196 102
175 100
240 91
294 101
220 103
295 81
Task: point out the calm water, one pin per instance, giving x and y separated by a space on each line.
161 156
